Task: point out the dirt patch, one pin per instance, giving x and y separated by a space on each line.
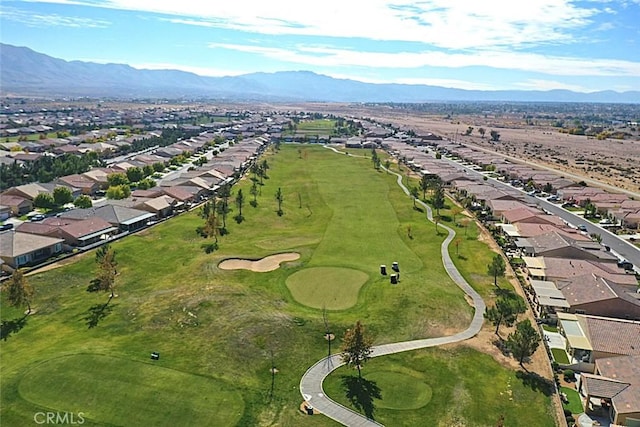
263 265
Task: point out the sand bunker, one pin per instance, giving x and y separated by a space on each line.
263 265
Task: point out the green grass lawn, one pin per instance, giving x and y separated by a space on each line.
316 127
575 403
333 288
151 394
440 387
219 331
560 356
550 328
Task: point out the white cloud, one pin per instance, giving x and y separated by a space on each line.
457 24
50 20
333 57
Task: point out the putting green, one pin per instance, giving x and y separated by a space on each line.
334 288
115 391
400 391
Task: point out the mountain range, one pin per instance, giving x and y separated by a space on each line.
24 72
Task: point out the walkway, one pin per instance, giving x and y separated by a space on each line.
311 382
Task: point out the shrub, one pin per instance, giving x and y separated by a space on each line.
569 375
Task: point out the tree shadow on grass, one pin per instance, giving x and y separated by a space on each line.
13 326
361 393
97 313
536 382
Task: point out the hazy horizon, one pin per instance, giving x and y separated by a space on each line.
582 46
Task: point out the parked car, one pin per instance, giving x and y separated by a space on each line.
37 217
7 226
582 227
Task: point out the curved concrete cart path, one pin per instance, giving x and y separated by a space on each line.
311 382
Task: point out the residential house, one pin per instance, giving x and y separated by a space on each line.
590 338
126 219
19 205
552 269
20 249
76 233
615 390
86 185
559 245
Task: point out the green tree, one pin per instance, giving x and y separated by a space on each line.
223 207
505 311
116 179
62 196
481 131
438 199
387 165
254 192
83 202
118 192
158 167
107 270
496 268
414 195
524 341
279 199
135 174
495 136
356 347
239 204
148 170
19 292
468 131
44 201
146 183
425 185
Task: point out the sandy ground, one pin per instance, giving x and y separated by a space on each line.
263 265
611 161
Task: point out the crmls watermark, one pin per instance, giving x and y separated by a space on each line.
60 418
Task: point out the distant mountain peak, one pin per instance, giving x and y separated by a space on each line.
26 72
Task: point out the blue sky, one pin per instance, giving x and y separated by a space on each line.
470 44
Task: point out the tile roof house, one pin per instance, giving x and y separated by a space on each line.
594 295
616 387
86 185
590 338
559 245
552 269
18 249
74 232
126 219
18 205
525 229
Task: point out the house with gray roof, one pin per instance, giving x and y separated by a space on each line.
21 249
124 218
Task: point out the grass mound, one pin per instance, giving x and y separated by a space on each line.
334 288
401 391
101 386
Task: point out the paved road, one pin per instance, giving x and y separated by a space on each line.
311 382
619 247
